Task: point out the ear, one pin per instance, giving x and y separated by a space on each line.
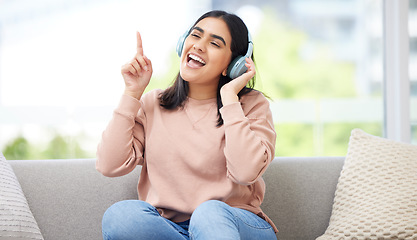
224 73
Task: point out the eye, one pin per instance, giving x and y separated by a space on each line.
195 35
215 44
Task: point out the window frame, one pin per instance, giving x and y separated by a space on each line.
396 71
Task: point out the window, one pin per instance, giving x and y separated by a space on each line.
412 29
321 62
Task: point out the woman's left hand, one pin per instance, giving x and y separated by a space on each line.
230 90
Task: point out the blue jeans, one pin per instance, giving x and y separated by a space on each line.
135 219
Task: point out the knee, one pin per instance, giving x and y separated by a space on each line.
112 213
211 205
120 216
118 211
211 220
128 206
210 210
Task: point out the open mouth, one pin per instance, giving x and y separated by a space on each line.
195 61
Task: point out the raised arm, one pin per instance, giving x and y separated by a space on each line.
249 130
121 147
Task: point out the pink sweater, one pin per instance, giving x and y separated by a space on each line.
187 160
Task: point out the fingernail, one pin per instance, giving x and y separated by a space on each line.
146 68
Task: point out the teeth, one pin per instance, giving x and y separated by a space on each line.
196 58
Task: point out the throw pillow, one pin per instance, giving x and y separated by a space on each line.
376 195
16 219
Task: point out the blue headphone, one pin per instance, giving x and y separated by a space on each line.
236 67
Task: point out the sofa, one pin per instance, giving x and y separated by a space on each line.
369 194
68 197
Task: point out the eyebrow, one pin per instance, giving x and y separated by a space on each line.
211 35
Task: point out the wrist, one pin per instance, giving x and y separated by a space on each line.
134 94
228 97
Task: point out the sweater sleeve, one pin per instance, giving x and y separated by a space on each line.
122 144
250 139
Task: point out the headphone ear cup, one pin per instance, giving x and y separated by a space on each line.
180 44
237 67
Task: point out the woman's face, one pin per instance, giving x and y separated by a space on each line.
206 53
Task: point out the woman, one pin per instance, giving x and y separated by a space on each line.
203 143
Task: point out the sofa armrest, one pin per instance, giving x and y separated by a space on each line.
68 197
299 194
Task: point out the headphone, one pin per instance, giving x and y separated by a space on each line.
236 67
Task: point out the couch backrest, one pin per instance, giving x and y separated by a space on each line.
68 197
299 195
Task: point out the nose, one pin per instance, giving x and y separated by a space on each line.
198 46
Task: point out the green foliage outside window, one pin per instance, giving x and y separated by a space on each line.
59 147
18 148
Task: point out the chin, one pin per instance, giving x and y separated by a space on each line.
188 76
185 77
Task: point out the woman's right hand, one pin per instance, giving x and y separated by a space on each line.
137 72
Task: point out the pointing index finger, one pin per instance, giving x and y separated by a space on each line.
139 47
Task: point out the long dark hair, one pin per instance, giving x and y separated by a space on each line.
175 95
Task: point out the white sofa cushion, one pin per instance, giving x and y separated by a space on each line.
376 195
16 219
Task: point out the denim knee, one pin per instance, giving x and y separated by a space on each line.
135 219
211 204
217 220
213 220
119 218
123 208
208 209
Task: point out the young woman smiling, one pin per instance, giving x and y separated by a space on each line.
203 143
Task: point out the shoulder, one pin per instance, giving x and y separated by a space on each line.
253 99
254 95
255 104
150 102
151 98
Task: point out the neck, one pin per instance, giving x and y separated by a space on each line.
202 91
